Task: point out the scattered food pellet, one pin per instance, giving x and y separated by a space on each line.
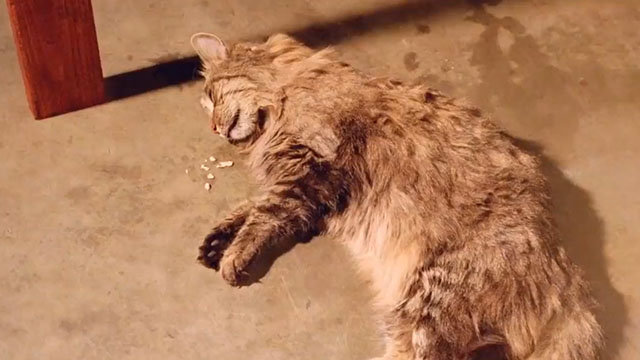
210 176
212 159
207 186
203 167
224 164
186 171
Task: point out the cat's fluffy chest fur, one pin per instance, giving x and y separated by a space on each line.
447 217
421 187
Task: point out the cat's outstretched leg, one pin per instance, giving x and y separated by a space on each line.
293 210
276 222
221 236
433 321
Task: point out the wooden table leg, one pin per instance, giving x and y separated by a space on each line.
58 54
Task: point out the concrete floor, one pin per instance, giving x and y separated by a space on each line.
99 224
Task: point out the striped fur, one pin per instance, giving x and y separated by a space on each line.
449 220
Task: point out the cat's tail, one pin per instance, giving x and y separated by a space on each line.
573 335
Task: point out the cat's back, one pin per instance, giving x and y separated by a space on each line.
412 136
442 157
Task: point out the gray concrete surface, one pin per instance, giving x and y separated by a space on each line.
99 224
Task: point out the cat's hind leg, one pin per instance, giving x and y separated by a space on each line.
574 335
434 321
422 342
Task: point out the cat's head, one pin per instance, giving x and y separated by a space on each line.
240 91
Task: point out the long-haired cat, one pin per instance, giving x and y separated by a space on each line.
444 214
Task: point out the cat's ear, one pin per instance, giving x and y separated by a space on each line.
209 47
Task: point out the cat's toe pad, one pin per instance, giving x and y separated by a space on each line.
211 251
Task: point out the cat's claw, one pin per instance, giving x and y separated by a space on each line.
213 248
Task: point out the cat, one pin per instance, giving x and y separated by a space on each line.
449 220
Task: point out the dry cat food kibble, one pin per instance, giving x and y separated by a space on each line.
211 159
224 164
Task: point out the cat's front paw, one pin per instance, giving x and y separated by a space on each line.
234 267
213 248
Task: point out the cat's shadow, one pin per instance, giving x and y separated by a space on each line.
582 234
262 264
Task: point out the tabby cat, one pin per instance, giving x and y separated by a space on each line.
445 215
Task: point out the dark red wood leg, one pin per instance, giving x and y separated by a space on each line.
58 54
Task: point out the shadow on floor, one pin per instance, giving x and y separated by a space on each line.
582 234
259 268
184 70
151 78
